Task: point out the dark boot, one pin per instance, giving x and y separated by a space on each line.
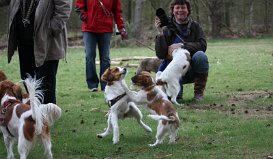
200 81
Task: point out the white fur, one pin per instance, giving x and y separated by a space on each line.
35 96
119 109
42 113
159 117
177 68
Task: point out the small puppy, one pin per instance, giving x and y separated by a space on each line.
170 77
157 102
120 105
149 65
25 122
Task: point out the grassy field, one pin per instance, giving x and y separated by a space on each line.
235 120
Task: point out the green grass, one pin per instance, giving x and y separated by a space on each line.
235 120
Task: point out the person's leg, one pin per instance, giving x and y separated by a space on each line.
163 65
26 61
90 42
200 67
104 52
48 72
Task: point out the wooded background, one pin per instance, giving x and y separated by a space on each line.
219 18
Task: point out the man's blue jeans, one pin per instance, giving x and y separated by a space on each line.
199 65
90 42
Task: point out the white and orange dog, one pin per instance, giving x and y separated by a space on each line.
25 122
120 105
157 102
170 77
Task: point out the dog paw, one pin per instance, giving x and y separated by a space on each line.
115 142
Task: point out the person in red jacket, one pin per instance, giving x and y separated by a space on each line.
97 26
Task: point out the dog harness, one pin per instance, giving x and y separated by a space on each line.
115 100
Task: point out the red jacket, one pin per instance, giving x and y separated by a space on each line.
96 19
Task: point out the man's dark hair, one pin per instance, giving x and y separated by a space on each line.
180 2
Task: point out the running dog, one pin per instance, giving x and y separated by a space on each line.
157 102
120 105
170 77
25 122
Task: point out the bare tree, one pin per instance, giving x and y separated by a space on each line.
159 4
266 12
215 9
250 19
138 18
196 9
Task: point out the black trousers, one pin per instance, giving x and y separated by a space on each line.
47 72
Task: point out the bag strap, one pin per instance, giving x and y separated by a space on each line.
106 11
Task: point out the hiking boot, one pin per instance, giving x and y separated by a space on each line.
200 81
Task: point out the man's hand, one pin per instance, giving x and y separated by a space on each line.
173 47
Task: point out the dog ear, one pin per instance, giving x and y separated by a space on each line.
107 76
110 77
17 92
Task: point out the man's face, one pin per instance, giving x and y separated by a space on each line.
180 12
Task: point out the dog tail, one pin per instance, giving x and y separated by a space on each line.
161 117
51 112
35 97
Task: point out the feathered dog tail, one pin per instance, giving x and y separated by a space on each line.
51 112
35 97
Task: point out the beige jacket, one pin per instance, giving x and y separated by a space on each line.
50 33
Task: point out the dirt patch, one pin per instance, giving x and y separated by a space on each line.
235 105
248 96
195 107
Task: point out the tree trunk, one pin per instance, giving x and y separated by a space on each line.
129 12
137 19
195 5
227 13
250 20
215 7
266 12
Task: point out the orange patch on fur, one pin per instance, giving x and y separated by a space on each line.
110 75
2 76
10 88
29 128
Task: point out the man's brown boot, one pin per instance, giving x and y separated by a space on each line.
200 81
